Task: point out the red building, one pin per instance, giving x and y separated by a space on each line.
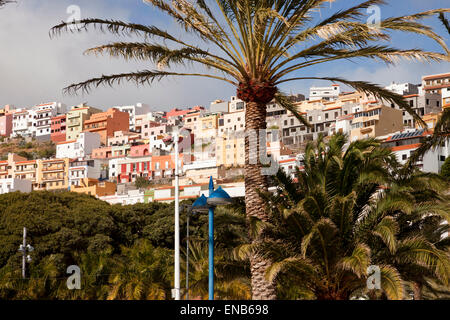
58 129
108 122
130 169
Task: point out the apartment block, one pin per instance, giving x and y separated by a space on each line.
53 174
132 168
14 185
324 93
24 123
138 109
6 125
81 169
445 92
374 121
76 118
122 137
58 128
95 187
403 88
79 148
43 118
422 104
163 166
106 123
435 83
403 144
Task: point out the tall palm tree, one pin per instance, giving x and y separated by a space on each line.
351 209
256 46
3 2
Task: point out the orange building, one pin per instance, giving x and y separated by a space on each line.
164 166
94 187
106 123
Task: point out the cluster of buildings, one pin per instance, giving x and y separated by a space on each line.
104 153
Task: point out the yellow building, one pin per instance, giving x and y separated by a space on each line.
95 188
374 121
430 119
207 127
230 150
52 174
76 118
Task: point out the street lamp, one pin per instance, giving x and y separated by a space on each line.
203 204
24 248
168 141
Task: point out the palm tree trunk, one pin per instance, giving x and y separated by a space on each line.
255 120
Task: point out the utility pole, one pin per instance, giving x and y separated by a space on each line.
24 248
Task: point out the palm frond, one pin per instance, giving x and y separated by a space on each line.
370 89
139 78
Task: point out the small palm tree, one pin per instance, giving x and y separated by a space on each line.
232 277
351 209
256 46
142 274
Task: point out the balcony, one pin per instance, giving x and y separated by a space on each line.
366 130
53 168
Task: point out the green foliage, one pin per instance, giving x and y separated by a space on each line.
445 170
118 248
142 183
350 208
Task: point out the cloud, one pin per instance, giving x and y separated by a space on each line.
35 68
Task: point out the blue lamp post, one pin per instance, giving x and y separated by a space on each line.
203 204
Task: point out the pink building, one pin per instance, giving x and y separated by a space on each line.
142 150
6 125
180 113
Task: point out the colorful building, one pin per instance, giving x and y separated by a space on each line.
133 168
6 125
82 147
58 128
106 123
95 187
76 118
374 121
52 174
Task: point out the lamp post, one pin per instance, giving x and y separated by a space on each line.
203 204
24 248
176 291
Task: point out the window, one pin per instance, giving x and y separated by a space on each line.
404 156
441 158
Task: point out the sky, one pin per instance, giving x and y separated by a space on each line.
34 68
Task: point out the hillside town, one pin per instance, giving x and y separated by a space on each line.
121 156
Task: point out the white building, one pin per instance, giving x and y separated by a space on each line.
324 93
403 144
42 118
236 105
344 124
134 110
80 148
114 169
129 198
24 123
81 169
13 185
403 88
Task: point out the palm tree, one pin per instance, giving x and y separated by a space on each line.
351 209
441 131
4 2
142 274
232 276
256 46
